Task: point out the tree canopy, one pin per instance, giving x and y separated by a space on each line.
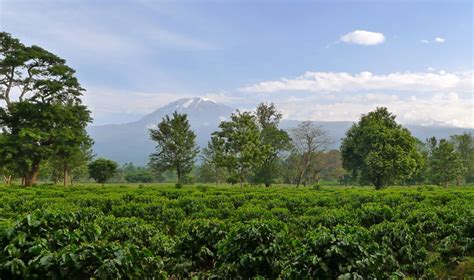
445 163
175 146
380 151
277 140
42 118
240 148
102 170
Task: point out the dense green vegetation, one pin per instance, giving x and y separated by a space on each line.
224 232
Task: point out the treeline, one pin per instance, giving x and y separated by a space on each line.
43 135
250 148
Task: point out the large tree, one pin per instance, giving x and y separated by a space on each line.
37 132
241 150
40 97
277 140
210 169
380 151
73 146
176 146
464 145
309 141
445 163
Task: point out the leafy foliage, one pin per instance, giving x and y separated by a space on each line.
238 146
43 119
444 164
176 146
206 232
380 151
102 170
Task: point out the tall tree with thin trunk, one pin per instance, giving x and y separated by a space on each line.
278 141
175 146
308 141
210 169
241 150
464 145
445 163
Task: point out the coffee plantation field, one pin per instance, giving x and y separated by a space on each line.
160 232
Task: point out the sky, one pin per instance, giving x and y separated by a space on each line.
316 60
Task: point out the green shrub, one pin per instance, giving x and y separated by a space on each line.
254 249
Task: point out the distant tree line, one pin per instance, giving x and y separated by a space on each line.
43 135
250 148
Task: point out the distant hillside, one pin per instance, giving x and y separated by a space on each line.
130 142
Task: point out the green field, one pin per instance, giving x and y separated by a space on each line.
226 232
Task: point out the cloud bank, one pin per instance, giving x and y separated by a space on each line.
333 82
425 98
362 37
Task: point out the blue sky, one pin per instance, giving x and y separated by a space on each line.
319 60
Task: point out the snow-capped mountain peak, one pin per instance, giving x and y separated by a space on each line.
191 102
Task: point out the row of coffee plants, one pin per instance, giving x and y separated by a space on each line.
224 233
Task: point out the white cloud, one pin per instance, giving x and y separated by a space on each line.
411 110
425 98
424 41
333 82
439 40
362 37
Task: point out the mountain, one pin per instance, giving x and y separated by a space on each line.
131 142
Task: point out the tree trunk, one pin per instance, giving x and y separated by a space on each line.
32 175
378 184
298 182
7 179
65 174
178 174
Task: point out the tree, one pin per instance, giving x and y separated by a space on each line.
309 141
277 140
380 151
424 150
210 170
176 146
331 165
137 174
102 170
240 149
464 145
34 133
42 97
72 149
445 164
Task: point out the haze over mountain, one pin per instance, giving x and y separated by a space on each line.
130 142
